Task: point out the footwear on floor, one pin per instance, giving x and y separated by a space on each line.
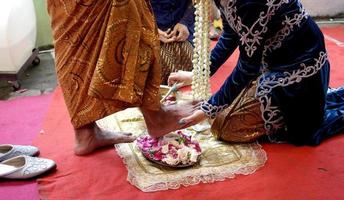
24 167
8 151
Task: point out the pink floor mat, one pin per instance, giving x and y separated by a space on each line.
20 122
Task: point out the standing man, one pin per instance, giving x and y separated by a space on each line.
107 59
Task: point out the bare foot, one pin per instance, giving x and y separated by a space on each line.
168 118
91 137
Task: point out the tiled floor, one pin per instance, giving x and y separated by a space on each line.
35 81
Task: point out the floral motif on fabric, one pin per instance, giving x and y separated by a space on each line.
251 36
212 110
268 81
288 25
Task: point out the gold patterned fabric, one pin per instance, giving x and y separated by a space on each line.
242 121
219 160
107 56
175 56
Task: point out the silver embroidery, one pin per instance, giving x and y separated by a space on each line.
267 81
35 165
276 41
17 151
273 119
211 110
271 114
289 24
251 36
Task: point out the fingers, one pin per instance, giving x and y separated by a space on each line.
183 77
176 32
182 36
166 37
125 139
196 104
173 78
126 133
191 106
179 85
182 32
173 33
171 82
162 33
195 118
176 77
167 40
179 33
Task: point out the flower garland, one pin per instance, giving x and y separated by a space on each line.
201 57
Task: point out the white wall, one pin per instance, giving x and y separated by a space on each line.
324 7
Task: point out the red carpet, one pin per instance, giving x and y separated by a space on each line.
20 121
290 172
335 55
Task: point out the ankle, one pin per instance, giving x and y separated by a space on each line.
85 132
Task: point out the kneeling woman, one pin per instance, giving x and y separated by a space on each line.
279 86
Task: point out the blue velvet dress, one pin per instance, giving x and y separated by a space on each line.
283 49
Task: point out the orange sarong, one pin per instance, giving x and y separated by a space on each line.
107 56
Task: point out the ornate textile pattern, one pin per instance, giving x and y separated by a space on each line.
175 56
219 160
267 81
35 165
251 34
107 56
271 114
211 110
242 120
289 24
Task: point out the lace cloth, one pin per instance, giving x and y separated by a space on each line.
219 160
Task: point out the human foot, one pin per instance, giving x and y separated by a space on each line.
91 137
168 117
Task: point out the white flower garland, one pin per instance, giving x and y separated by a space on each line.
201 57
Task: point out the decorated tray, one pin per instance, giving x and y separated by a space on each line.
175 149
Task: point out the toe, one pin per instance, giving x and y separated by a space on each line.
125 139
127 134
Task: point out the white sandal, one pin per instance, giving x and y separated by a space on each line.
8 151
24 167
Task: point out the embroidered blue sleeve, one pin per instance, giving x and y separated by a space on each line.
211 110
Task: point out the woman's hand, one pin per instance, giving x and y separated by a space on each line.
180 32
165 37
182 77
195 118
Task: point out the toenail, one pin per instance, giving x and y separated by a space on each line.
181 122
